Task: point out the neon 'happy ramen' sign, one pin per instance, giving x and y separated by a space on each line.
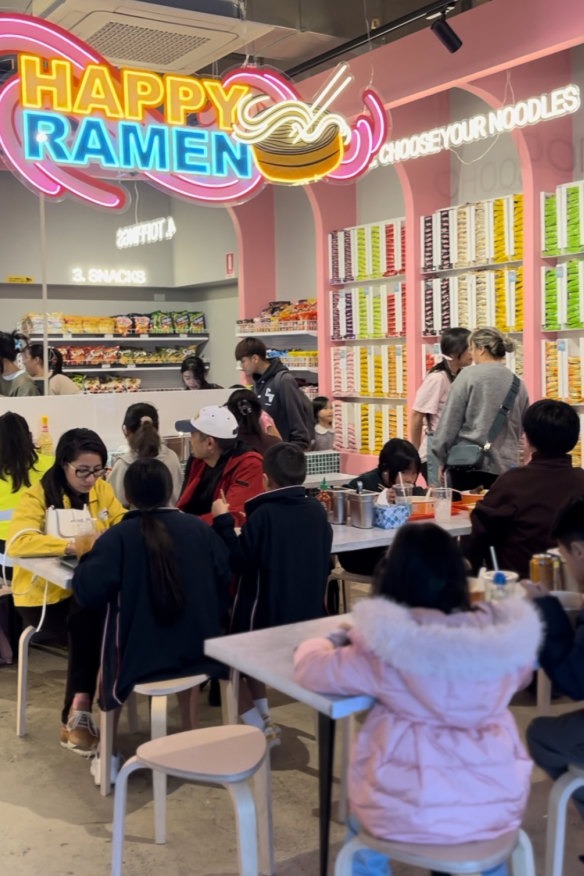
70 123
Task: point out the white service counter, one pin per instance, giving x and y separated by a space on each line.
105 413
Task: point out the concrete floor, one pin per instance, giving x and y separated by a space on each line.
55 823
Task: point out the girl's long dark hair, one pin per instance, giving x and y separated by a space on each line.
148 486
424 568
11 343
398 455
247 410
17 453
453 342
71 445
196 366
141 421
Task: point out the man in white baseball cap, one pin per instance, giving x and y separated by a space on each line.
222 465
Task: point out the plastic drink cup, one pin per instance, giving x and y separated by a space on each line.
403 495
442 504
85 535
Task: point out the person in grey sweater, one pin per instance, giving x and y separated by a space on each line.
472 405
140 427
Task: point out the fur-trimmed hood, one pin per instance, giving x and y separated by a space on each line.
481 645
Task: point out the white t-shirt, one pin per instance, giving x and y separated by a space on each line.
430 400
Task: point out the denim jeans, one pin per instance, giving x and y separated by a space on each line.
367 862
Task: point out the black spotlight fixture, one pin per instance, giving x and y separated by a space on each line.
445 34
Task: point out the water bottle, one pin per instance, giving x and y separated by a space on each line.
500 583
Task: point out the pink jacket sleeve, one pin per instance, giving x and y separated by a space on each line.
346 671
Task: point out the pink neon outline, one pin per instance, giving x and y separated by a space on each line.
11 145
116 205
368 133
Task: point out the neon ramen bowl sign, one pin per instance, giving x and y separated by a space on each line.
72 124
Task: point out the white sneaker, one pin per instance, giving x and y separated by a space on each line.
94 768
271 731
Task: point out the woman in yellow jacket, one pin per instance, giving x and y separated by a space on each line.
74 481
20 467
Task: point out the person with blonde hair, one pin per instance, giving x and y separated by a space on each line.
478 398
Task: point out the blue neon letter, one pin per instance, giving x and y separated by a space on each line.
228 153
144 149
44 134
188 145
93 143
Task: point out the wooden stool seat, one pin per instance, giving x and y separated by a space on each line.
473 857
206 755
227 756
169 686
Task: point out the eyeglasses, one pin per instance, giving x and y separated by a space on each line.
84 473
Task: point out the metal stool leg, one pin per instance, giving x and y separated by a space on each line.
22 683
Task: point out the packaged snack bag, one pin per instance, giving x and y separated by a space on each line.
73 324
141 323
105 325
197 322
181 321
162 323
123 324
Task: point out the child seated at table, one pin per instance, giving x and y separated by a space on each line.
164 578
281 560
399 461
439 758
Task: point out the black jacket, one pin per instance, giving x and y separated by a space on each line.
517 515
281 558
289 408
562 654
136 647
371 480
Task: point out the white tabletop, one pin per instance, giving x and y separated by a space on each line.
267 656
48 568
350 538
333 479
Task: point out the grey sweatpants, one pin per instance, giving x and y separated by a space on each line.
555 743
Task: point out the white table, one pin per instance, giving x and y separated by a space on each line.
350 538
267 656
333 479
48 568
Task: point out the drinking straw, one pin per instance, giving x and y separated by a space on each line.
494 558
401 480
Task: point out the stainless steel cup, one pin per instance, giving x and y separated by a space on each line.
362 508
339 506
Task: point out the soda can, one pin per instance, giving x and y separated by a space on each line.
541 569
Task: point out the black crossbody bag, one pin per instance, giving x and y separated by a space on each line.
465 456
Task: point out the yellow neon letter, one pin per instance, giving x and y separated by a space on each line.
184 95
141 89
225 102
97 92
53 80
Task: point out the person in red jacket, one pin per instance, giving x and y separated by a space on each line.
222 466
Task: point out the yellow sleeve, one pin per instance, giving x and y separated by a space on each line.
30 515
107 501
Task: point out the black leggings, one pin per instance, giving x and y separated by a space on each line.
470 480
79 628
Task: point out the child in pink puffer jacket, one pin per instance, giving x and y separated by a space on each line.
439 758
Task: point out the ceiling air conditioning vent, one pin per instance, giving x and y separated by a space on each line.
145 45
158 36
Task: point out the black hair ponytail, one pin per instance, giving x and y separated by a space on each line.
148 487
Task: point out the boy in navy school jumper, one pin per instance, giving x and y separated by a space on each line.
281 560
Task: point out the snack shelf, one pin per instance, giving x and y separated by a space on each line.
367 252
82 369
391 339
352 396
81 339
476 266
276 334
384 278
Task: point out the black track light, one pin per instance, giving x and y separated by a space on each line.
445 34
